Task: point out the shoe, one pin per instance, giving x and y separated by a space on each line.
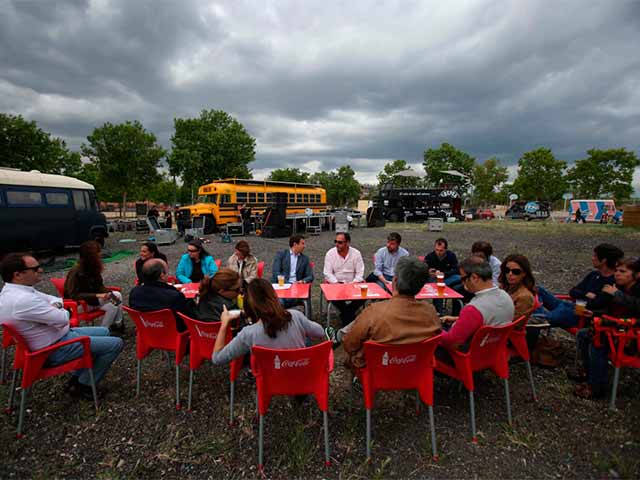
356 386
117 327
84 392
71 384
332 335
577 374
588 392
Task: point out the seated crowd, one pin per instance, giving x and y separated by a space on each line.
495 293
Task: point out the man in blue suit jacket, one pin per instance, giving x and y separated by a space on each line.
302 272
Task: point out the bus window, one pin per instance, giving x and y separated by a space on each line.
298 198
78 200
318 198
24 198
225 199
252 197
292 198
269 198
305 198
241 197
57 199
260 197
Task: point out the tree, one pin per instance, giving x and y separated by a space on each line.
341 186
448 157
389 174
164 190
294 175
604 173
213 146
25 146
487 179
123 159
540 176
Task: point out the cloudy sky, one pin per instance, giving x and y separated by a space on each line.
322 84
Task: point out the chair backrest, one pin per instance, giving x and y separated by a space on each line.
296 371
218 262
260 269
312 265
399 367
11 336
489 349
59 284
517 338
154 330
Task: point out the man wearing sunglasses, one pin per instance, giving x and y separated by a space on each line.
489 306
343 264
42 321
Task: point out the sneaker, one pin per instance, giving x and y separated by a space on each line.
356 386
332 335
84 392
588 392
577 374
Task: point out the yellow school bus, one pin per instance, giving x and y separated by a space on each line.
220 201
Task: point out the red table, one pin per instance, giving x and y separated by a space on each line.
190 290
297 291
333 292
430 291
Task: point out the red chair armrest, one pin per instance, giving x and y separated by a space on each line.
113 288
56 346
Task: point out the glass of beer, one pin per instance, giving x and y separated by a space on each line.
240 301
581 306
440 277
440 286
364 290
281 280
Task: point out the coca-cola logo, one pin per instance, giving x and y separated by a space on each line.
209 335
156 324
402 360
488 339
301 362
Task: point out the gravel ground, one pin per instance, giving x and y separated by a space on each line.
559 436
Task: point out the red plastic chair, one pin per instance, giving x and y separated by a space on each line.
488 351
218 262
7 341
518 348
82 314
421 258
32 365
260 269
399 367
298 371
202 338
624 333
157 331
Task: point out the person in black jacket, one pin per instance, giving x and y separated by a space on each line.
443 260
155 293
217 292
148 250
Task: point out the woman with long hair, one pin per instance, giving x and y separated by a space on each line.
243 262
623 300
147 250
273 326
516 278
84 282
195 264
217 292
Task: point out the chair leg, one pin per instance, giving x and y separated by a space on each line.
472 407
93 388
178 406
12 392
232 395
23 404
3 366
368 435
533 387
417 403
507 398
432 426
325 418
260 442
190 388
138 375
614 391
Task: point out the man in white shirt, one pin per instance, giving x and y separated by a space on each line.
343 264
42 321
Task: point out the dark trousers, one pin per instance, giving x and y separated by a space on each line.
348 310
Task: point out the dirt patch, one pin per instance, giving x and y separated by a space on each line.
559 436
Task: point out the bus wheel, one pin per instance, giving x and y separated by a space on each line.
210 225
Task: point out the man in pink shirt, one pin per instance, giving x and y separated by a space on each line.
343 264
489 306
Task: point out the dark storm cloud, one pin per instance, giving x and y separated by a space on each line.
322 85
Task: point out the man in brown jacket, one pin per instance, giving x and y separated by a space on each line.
403 319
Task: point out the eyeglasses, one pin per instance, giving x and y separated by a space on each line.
515 271
192 250
35 269
339 242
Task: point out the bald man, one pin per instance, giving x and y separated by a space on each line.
155 293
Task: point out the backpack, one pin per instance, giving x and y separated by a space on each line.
547 352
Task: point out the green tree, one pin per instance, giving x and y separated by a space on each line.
124 159
604 173
540 176
164 190
390 174
448 157
294 175
487 179
341 186
210 147
25 146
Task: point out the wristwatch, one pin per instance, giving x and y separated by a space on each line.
57 304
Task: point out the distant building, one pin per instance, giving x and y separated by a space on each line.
366 191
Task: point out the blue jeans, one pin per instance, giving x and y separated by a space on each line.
559 313
104 350
594 359
450 281
373 279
